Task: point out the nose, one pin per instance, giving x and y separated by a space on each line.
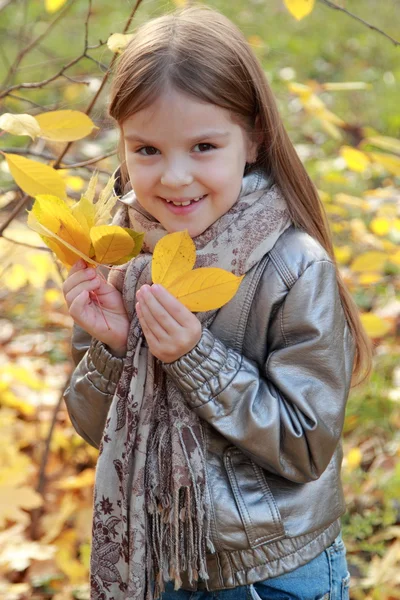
176 174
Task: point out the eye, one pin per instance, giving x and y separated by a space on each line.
203 147
147 151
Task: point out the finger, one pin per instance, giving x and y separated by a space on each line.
78 277
78 266
167 322
88 286
152 323
149 335
174 308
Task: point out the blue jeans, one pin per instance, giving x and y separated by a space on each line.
324 578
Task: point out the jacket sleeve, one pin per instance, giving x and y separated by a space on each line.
288 415
92 385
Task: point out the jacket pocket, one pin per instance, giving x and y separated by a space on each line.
259 513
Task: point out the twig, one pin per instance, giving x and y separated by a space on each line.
14 212
91 161
360 20
82 164
104 80
40 488
57 164
18 243
26 100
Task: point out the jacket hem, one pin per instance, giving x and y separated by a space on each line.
245 567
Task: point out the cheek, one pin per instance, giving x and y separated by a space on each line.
141 176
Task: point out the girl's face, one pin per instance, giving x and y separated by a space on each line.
185 160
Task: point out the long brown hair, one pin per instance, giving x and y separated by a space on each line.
200 52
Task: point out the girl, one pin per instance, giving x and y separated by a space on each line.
219 433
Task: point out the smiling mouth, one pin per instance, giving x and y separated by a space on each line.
186 202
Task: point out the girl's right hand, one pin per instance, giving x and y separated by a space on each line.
86 312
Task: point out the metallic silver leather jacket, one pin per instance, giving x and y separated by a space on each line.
270 381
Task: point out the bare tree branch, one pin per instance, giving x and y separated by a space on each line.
47 156
360 20
26 100
18 243
34 43
104 81
25 197
91 161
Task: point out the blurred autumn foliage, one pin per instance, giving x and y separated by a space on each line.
350 149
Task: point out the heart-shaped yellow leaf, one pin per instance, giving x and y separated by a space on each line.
203 289
174 255
110 243
35 178
65 125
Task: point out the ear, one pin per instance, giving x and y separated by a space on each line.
255 140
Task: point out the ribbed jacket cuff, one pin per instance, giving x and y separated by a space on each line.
205 371
101 360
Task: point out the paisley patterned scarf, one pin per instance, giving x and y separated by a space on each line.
151 518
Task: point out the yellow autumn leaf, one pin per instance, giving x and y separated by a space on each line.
65 125
110 243
375 326
353 459
20 124
336 211
355 159
255 41
390 162
54 5
205 289
343 254
74 182
300 89
339 86
12 500
53 523
369 278
299 8
34 177
380 226
173 256
54 213
384 142
395 258
349 200
85 479
369 261
74 232
117 42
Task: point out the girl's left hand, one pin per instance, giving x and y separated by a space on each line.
171 330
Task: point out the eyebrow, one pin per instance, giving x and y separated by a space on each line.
134 137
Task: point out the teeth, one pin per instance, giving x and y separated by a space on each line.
185 203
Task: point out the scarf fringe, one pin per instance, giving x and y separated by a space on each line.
178 519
